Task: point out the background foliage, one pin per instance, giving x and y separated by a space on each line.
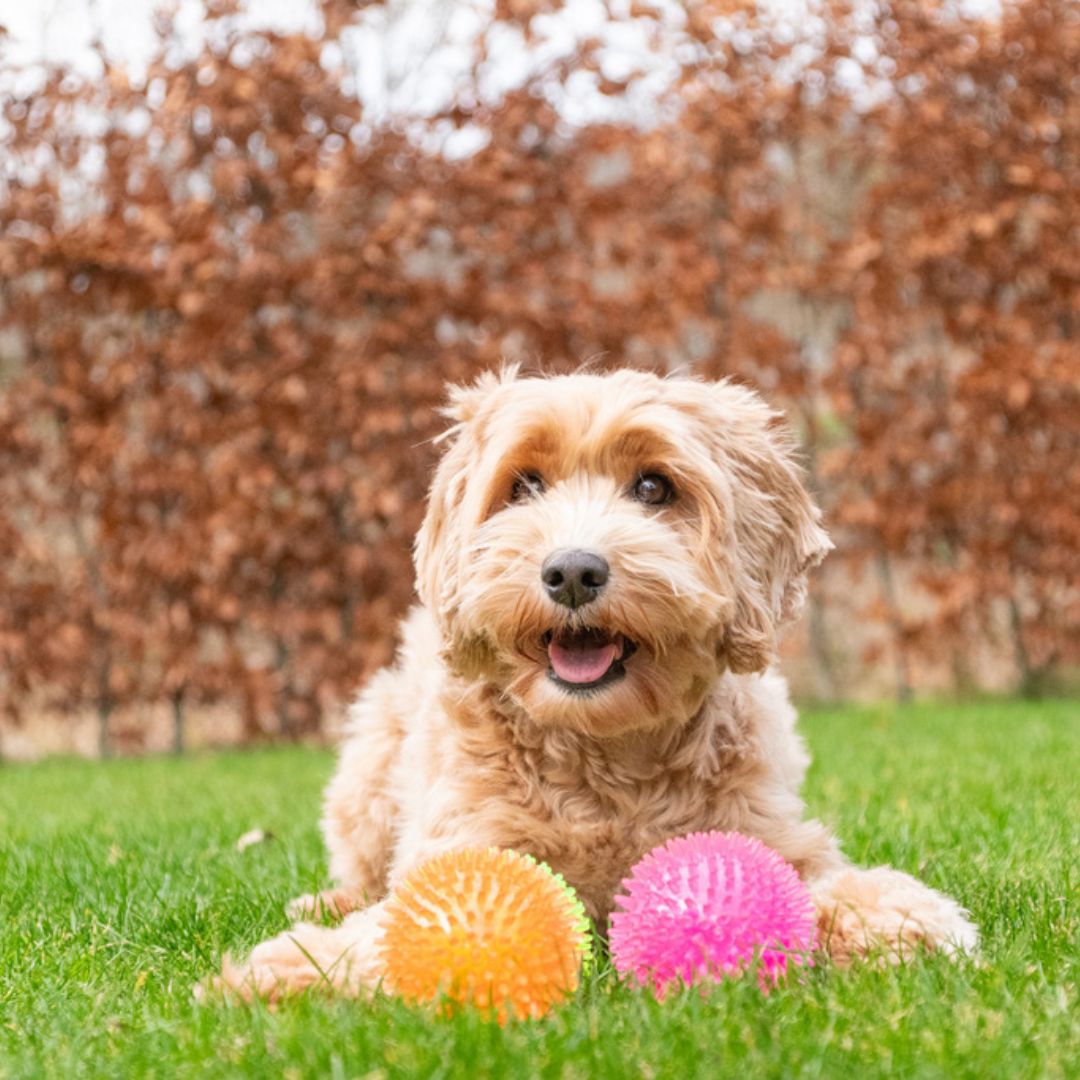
230 300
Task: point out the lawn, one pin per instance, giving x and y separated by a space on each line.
122 885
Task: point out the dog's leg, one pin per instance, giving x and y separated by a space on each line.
328 904
886 914
342 958
880 912
807 844
359 811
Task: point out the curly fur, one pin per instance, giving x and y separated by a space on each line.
467 740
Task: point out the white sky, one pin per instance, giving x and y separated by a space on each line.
61 30
395 43
407 57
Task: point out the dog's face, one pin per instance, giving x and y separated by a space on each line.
601 547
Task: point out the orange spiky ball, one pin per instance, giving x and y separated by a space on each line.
484 927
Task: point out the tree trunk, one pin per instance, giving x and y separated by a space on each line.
963 680
284 691
104 712
178 721
904 690
821 650
820 646
1032 679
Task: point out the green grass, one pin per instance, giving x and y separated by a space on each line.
121 885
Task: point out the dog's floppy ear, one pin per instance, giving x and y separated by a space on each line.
441 542
776 524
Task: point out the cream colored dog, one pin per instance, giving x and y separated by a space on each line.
603 569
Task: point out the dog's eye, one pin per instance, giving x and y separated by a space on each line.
653 489
526 486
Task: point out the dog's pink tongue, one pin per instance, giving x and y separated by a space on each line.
580 659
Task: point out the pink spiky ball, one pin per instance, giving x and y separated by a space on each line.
710 905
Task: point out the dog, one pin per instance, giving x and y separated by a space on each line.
603 569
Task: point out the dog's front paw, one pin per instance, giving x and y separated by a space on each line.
344 958
887 914
329 904
274 970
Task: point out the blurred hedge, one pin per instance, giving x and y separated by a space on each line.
230 301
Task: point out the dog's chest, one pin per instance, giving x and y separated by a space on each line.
592 810
593 835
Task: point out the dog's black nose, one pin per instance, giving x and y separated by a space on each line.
573 578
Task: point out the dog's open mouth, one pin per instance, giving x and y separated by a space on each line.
586 659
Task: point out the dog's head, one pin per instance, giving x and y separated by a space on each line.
601 547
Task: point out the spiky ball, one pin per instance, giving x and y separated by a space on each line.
709 905
488 928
